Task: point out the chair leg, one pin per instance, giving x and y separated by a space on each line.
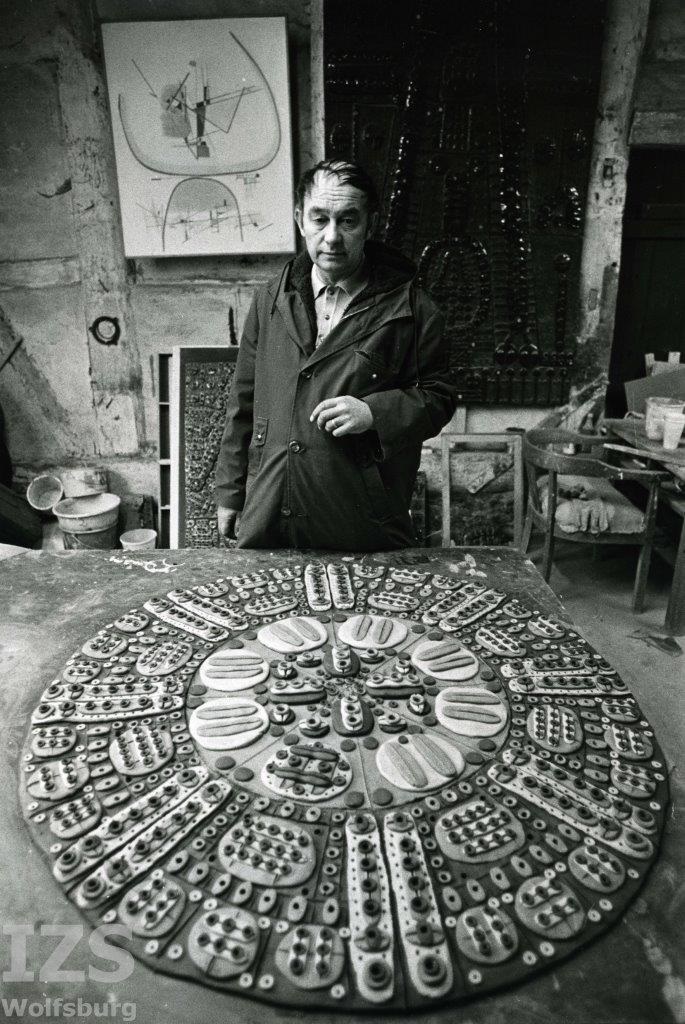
527 531
646 550
548 554
549 525
641 577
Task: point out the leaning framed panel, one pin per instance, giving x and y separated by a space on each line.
506 459
202 135
200 380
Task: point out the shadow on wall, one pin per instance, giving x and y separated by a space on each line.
5 464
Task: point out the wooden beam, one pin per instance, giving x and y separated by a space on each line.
317 94
115 370
624 40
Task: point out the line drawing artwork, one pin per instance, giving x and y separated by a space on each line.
201 135
199 205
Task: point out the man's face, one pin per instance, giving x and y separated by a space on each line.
335 224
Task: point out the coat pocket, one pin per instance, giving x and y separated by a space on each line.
373 367
385 349
381 507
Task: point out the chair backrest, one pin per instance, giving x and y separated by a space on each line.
538 445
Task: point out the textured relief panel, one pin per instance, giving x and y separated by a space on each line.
475 120
371 787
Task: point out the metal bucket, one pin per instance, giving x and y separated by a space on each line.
94 540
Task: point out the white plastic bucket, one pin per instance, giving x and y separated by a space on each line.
138 540
82 480
44 492
88 514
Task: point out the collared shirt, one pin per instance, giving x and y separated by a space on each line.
331 300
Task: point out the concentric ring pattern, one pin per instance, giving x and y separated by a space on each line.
344 783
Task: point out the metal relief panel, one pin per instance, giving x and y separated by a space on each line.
201 378
475 120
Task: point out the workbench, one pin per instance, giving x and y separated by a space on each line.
51 603
633 431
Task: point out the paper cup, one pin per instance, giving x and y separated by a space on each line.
674 422
655 407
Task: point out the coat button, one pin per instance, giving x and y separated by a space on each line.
295 447
286 512
306 374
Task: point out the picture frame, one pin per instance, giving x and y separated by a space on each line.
200 377
202 133
494 444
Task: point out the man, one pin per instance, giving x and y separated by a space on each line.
340 377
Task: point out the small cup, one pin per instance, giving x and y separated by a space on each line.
674 423
138 540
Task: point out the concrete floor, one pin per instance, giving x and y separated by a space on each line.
596 590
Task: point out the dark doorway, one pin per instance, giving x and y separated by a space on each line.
650 312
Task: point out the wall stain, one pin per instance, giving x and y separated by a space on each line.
59 191
34 383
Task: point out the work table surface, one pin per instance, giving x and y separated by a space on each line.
49 603
633 431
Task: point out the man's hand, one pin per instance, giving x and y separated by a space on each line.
227 520
344 415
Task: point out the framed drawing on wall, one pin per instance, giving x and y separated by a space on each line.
202 137
199 382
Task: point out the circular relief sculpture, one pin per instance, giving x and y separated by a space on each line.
349 784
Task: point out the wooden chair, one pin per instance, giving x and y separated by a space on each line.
540 456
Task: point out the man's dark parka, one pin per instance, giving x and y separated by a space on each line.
306 488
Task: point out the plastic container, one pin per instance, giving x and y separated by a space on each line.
138 540
93 540
44 492
656 407
674 423
90 514
81 480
